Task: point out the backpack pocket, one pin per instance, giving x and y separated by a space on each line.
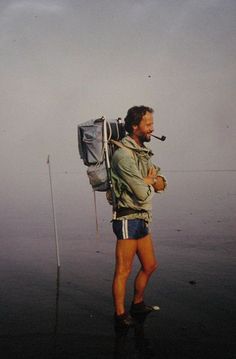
98 177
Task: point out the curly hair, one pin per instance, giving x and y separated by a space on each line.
134 116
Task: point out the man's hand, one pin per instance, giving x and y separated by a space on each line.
157 181
151 177
160 183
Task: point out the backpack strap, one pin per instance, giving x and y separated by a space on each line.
120 145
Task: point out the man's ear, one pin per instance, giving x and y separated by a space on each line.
134 127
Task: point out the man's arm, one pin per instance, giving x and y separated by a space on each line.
158 182
131 176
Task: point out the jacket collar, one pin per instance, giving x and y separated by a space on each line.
130 143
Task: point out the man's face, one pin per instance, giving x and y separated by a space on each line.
145 128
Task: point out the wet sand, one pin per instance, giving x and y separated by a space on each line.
41 317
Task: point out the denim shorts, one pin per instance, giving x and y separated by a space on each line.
130 228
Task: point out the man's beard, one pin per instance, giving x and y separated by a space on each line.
145 138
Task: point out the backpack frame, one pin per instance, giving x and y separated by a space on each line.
97 140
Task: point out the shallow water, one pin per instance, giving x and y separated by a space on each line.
194 234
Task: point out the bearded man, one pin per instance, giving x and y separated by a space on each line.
135 180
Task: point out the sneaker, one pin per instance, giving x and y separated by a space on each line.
124 321
142 308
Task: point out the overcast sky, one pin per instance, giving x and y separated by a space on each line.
65 62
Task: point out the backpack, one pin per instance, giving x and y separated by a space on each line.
97 141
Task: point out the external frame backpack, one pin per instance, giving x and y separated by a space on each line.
97 141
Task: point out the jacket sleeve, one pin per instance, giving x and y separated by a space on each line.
127 170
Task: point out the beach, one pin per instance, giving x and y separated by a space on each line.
47 314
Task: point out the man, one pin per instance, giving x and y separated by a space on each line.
135 180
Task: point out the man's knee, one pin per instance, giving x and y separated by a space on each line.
123 272
152 267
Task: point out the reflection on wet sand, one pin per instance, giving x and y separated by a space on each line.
141 347
56 311
57 300
137 348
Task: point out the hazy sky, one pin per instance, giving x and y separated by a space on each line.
64 62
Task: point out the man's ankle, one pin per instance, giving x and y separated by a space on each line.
119 312
137 301
138 304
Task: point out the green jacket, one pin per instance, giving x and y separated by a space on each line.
128 169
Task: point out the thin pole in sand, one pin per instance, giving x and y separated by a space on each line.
54 214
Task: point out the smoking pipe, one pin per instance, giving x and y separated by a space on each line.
162 138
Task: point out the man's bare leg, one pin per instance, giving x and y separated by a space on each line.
125 252
145 252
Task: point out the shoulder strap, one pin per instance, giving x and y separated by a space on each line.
120 145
